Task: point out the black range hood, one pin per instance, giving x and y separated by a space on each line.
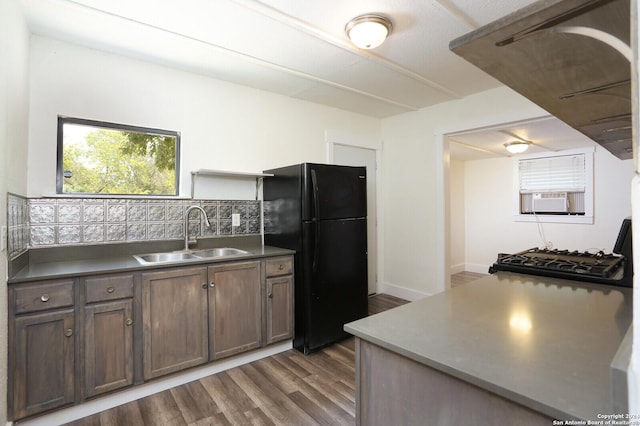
559 54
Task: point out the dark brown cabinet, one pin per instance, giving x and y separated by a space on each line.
235 308
108 345
42 338
279 299
80 338
174 320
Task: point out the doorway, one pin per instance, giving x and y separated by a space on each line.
348 155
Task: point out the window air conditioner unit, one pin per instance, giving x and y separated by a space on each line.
551 202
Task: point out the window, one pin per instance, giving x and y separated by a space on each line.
106 158
556 187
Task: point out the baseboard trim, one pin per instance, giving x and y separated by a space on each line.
122 397
455 269
401 292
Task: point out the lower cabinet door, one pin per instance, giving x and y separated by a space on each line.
174 320
235 318
108 347
44 349
279 308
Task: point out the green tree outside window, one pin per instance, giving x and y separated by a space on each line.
110 161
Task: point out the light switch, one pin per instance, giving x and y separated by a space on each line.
235 219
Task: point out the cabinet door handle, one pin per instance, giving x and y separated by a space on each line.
129 321
44 297
110 289
212 284
204 285
270 295
68 332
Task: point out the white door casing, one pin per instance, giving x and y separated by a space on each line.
356 156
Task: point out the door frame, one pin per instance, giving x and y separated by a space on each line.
443 202
333 138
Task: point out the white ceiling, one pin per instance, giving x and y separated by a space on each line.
295 48
544 135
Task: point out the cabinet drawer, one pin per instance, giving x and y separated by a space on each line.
279 266
99 289
40 297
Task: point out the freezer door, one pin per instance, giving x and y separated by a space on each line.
333 192
335 271
282 208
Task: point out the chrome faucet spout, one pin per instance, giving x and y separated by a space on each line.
186 225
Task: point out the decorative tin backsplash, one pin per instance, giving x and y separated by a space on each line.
50 222
18 225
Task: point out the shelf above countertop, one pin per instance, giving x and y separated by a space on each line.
225 173
226 179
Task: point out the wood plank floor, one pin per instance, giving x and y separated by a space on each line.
285 389
465 277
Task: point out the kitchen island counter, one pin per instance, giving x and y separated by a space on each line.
543 343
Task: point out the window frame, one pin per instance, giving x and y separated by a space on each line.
586 218
62 120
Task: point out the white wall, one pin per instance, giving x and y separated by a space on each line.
415 226
457 221
14 64
223 126
489 202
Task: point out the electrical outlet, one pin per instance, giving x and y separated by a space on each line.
3 238
235 219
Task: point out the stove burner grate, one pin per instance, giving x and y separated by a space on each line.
579 263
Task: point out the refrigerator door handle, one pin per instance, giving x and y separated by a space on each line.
315 218
316 199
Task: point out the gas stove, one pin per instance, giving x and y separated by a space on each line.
596 267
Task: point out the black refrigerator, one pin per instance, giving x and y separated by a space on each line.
320 211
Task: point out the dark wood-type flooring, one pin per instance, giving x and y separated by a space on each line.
285 389
465 277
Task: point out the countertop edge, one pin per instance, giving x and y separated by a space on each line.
466 377
617 365
127 263
619 369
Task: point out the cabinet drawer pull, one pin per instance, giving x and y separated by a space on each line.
280 267
212 284
129 321
68 332
110 289
44 297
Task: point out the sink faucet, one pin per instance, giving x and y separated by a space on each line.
193 240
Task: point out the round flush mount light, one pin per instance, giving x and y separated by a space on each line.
368 31
517 147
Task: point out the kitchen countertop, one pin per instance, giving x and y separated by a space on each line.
114 263
545 343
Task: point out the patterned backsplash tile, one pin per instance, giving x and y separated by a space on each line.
18 223
51 222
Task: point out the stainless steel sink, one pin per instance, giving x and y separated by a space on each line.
154 258
164 257
219 252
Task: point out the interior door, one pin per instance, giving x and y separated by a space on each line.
354 156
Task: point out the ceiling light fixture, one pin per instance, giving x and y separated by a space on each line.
368 31
517 147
